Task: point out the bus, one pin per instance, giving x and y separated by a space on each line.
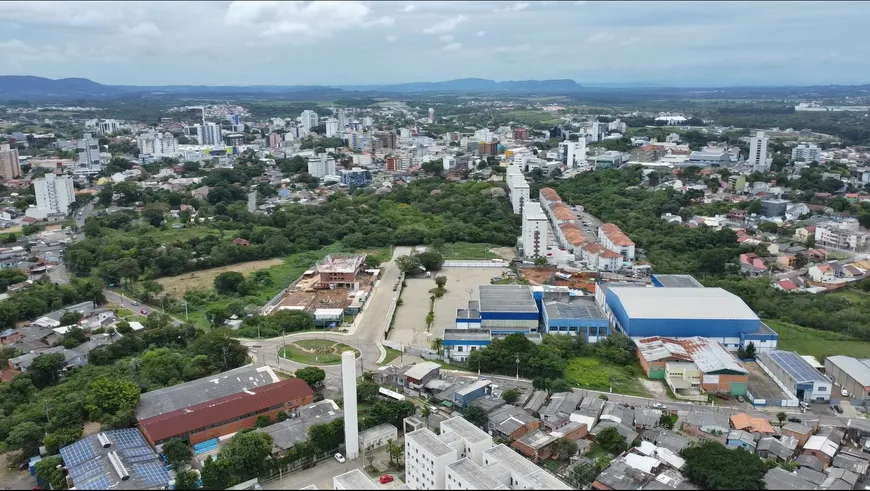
388 394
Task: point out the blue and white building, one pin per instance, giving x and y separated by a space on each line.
574 315
459 343
508 309
796 376
681 312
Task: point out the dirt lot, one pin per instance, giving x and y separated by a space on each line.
177 286
537 276
409 326
506 253
656 388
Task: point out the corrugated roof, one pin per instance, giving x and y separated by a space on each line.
506 298
743 421
853 367
794 365
711 356
185 420
574 308
682 303
658 348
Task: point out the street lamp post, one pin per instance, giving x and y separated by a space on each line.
518 366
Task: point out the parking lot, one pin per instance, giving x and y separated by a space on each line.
409 327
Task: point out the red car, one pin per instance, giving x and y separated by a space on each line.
386 478
143 312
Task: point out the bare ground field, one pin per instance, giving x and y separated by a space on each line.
506 253
177 286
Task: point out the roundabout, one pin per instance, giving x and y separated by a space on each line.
316 352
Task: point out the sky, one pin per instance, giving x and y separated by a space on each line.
358 43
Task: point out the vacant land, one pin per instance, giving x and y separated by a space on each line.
466 250
820 344
177 286
316 352
591 373
392 354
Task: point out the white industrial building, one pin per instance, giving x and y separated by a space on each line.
758 152
794 375
54 194
463 457
851 375
535 231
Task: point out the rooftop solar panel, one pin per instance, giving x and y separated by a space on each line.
101 482
78 452
795 366
152 473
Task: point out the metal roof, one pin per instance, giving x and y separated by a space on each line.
90 467
853 368
574 308
794 365
537 439
205 389
538 478
477 384
420 370
682 303
710 356
467 335
678 281
659 348
506 298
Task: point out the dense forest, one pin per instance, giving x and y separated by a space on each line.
125 245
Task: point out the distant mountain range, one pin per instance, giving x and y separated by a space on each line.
17 86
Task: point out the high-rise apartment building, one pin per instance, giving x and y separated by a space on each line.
157 145
10 168
108 126
535 230
89 156
807 152
431 115
209 134
274 140
321 165
758 152
54 194
332 128
310 119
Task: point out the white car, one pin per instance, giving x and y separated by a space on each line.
659 405
340 458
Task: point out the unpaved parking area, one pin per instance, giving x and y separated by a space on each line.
656 388
409 326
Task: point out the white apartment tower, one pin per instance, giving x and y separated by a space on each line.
348 385
807 151
10 167
54 194
332 128
321 165
108 126
209 134
89 156
758 152
157 145
310 119
535 230
574 153
431 115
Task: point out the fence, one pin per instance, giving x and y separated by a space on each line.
474 264
388 320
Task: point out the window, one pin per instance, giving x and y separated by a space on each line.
823 389
459 349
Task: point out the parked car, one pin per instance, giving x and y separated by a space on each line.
134 303
340 458
386 478
838 409
143 312
659 405
794 420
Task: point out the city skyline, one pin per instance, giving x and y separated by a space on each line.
360 43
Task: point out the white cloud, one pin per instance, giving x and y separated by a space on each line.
144 29
409 8
391 38
446 25
515 7
447 38
480 34
629 41
302 22
453 47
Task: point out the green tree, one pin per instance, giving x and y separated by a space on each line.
440 281
177 453
781 417
186 480
710 465
432 260
229 282
610 440
67 436
408 264
511 396
221 348
425 413
247 452
111 396
367 391
49 470
216 474
70 318
582 474
312 376
476 416
564 448
750 351
667 421
45 369
263 421
25 436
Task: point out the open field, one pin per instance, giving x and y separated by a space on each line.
316 352
392 354
820 344
591 373
177 286
466 250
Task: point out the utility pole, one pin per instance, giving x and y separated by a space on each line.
518 367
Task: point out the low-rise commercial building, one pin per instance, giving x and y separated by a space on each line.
850 374
794 375
116 459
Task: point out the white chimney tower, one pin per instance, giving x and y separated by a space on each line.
351 425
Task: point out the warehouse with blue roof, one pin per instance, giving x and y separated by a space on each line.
683 312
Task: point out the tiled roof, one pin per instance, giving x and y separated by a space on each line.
615 235
550 194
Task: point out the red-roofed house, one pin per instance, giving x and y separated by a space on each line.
786 285
229 414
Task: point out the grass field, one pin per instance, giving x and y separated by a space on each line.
316 352
592 373
177 286
530 116
466 250
392 354
817 343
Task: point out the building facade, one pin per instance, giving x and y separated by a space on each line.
807 152
535 238
758 152
54 194
10 167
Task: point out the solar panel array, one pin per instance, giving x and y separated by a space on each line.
796 366
127 438
152 473
78 452
101 482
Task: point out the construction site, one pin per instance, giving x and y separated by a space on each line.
336 286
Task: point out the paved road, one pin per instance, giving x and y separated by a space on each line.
321 475
365 335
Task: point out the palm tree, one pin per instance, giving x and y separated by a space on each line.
781 417
426 412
